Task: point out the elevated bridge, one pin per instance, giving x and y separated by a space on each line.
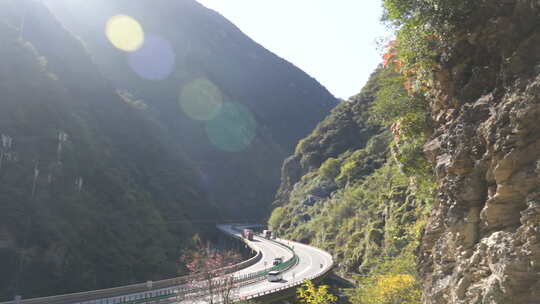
300 262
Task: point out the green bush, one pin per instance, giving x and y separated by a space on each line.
425 28
330 168
276 218
393 281
310 294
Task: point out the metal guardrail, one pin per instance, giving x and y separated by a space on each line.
176 287
183 294
124 293
325 271
243 280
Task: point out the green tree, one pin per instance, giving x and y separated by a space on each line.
276 218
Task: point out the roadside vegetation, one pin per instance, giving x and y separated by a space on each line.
367 186
309 293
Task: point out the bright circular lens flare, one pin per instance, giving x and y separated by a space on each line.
233 129
200 99
125 33
155 60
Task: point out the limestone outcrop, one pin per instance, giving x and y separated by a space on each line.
482 241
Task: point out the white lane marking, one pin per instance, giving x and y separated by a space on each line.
267 249
309 268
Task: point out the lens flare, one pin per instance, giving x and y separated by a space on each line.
125 33
155 60
233 129
200 99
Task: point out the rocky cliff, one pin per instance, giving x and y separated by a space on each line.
482 241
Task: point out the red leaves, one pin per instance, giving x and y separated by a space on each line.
390 57
204 261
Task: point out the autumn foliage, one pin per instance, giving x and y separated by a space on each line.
208 270
310 294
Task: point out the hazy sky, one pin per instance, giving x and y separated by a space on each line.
332 40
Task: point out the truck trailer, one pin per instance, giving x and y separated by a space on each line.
248 234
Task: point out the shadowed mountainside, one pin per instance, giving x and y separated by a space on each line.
268 104
107 171
93 193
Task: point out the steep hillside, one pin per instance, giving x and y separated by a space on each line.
92 193
347 128
193 62
471 73
344 190
463 108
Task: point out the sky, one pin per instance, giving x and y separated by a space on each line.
334 41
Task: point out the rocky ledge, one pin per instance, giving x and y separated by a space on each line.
482 241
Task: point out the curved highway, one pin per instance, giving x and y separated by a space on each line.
269 249
311 263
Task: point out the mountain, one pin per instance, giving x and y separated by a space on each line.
93 193
425 187
104 177
193 53
344 191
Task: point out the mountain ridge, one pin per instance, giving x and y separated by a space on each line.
102 185
284 102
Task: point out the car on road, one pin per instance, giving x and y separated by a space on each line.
274 276
277 261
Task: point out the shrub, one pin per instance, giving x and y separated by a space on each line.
330 168
391 282
311 294
276 218
425 28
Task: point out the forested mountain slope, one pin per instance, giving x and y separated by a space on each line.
344 191
89 186
451 214
106 171
193 53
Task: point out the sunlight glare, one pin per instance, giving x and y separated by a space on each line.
125 33
155 60
200 99
233 129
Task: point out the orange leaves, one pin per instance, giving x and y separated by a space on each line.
390 57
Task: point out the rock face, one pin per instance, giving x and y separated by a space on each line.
482 241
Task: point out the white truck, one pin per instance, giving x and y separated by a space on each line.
267 234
